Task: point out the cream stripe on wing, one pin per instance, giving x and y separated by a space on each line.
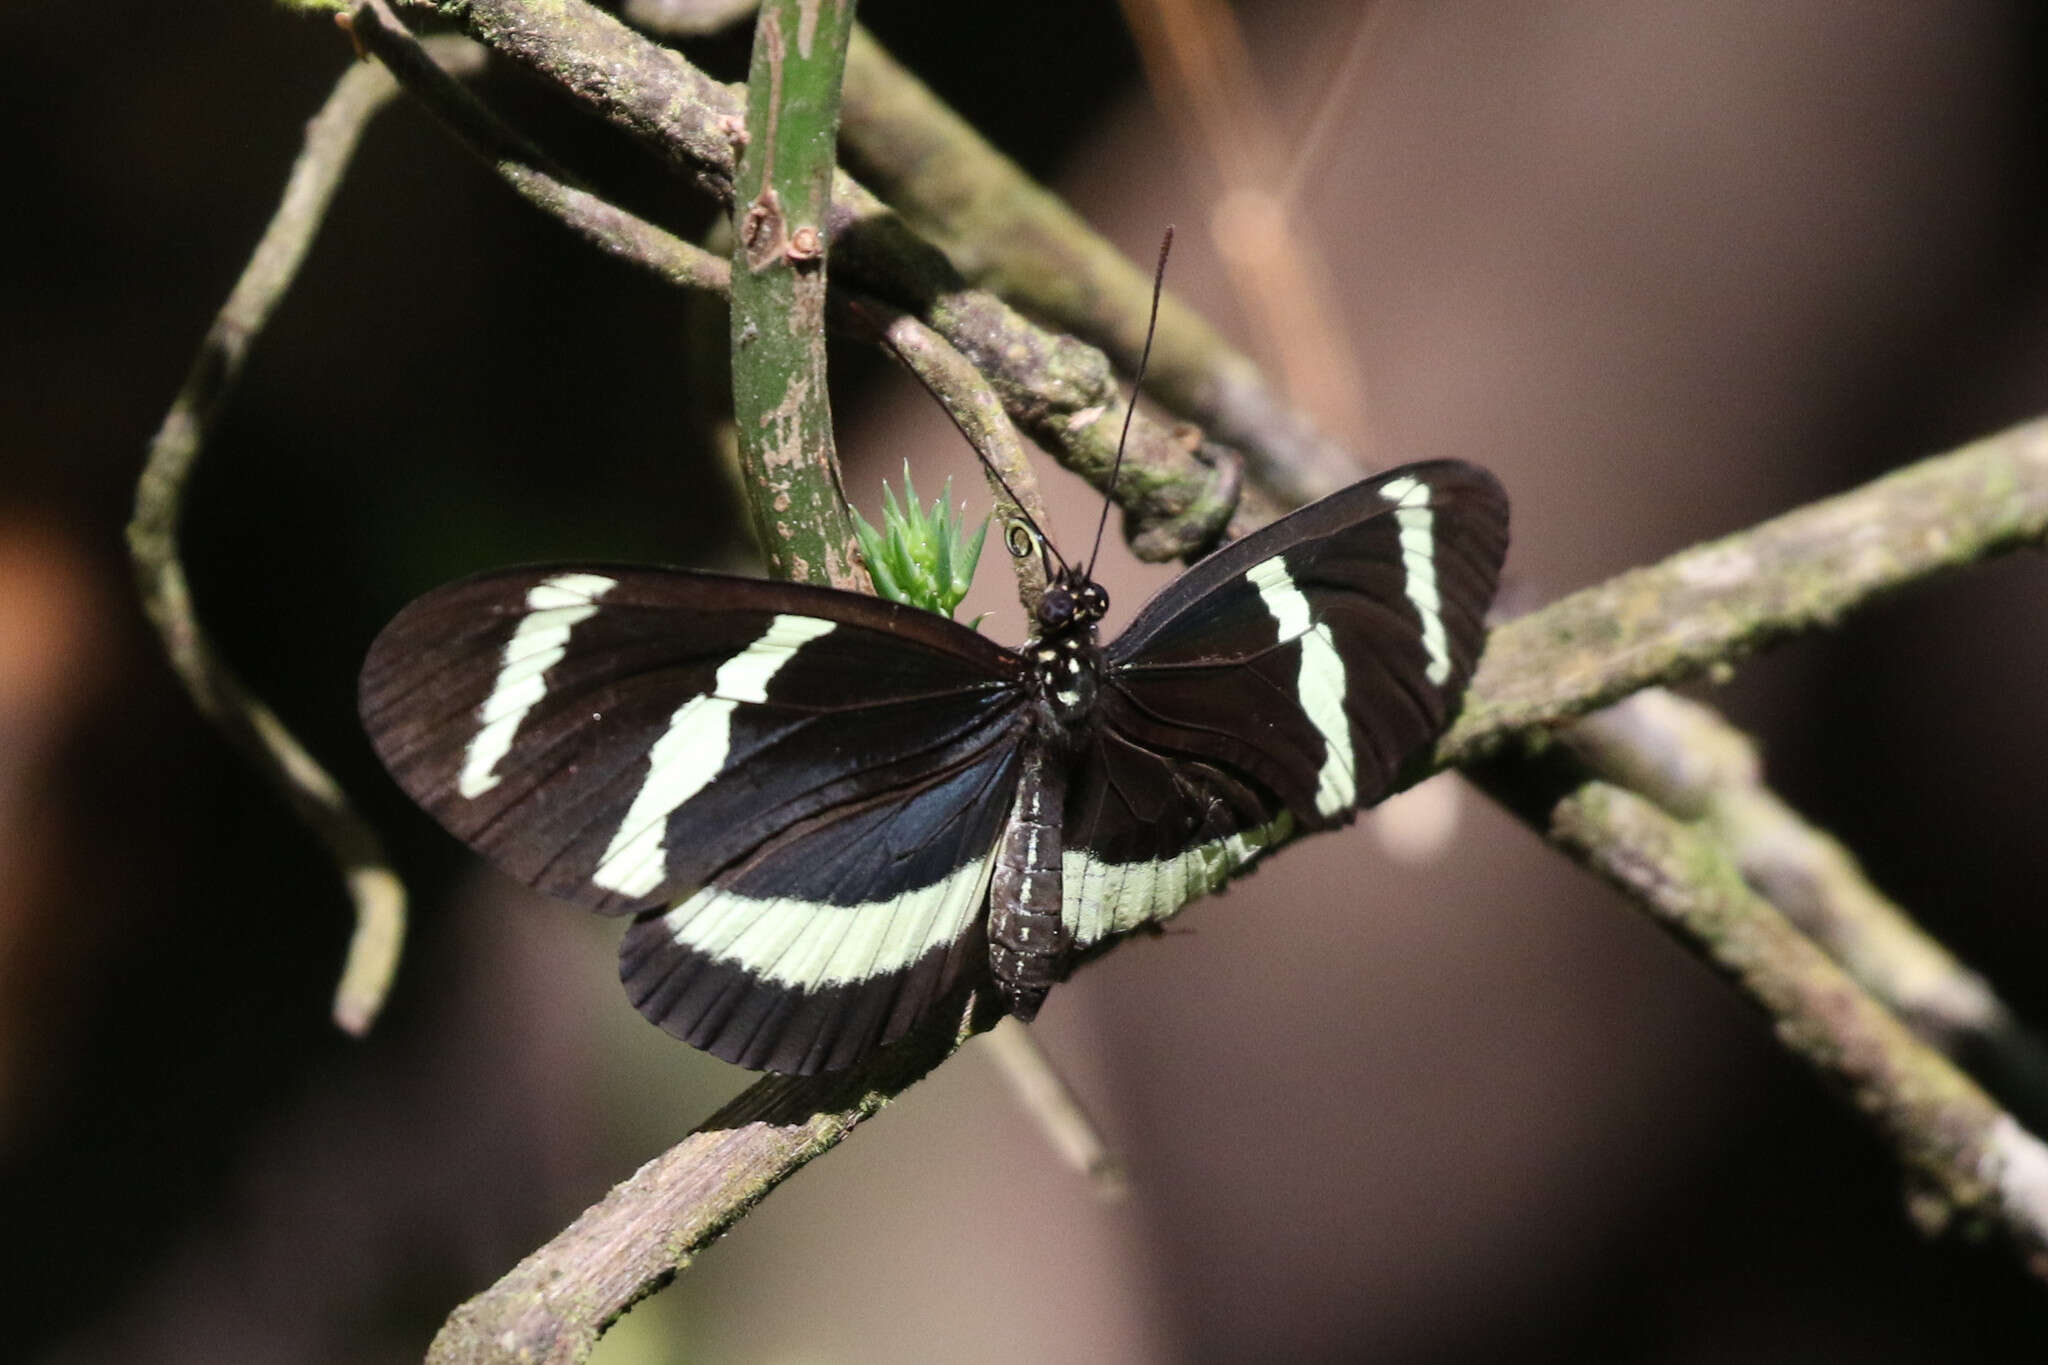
1102 898
1319 686
691 752
555 606
1410 497
810 946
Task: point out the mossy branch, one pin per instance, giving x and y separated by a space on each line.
551 1308
1696 766
1970 1167
1718 602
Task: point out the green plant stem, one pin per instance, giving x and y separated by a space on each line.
781 211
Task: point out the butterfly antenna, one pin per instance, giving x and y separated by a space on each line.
1144 359
1045 544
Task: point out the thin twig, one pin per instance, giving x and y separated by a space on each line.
1196 60
1046 1095
1970 1166
522 166
1010 235
219 692
1305 153
1179 492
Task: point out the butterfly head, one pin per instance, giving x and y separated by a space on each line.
1073 602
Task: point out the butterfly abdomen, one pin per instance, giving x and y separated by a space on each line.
1028 942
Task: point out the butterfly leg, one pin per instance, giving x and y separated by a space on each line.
1027 942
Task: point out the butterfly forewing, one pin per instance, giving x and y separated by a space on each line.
1289 680
616 736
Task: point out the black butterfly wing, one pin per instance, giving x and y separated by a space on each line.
798 791
615 736
1147 831
837 935
1289 680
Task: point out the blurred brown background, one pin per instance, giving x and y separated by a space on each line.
1667 268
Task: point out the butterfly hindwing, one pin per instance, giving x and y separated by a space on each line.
1146 832
617 736
837 935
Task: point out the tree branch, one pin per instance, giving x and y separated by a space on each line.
216 689
1696 766
553 1306
1061 392
1970 1167
1718 602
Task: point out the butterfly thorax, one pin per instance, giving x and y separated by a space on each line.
1064 660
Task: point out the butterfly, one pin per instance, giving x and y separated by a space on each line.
826 815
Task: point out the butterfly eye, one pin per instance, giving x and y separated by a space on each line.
1056 608
1094 601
